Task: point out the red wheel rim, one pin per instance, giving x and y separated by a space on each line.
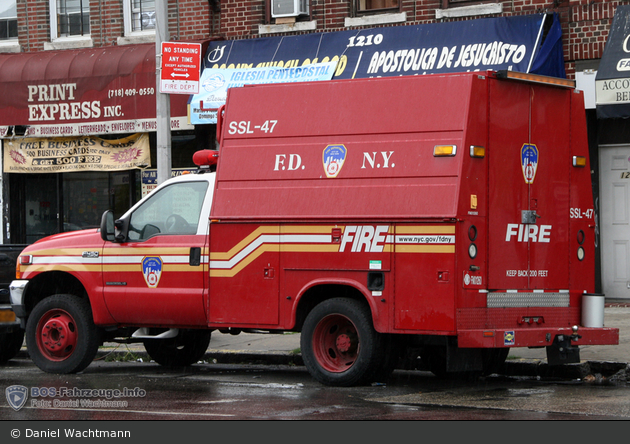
57 335
336 343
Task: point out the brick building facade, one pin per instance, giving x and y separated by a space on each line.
585 23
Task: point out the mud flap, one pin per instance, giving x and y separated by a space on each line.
562 351
463 359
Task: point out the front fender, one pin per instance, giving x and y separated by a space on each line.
378 305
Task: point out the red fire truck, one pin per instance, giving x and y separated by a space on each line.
449 214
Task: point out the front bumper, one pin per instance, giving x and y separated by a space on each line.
8 321
16 289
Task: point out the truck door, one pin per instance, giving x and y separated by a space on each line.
158 276
528 186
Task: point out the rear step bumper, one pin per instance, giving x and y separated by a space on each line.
535 337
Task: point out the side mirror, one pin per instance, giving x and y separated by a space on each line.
107 226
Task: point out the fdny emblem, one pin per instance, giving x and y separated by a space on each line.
16 396
529 162
152 270
334 157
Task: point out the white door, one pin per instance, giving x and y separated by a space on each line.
614 165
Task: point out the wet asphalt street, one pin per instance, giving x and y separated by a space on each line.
209 391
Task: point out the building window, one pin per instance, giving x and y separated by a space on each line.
143 15
8 21
456 3
377 5
69 18
139 16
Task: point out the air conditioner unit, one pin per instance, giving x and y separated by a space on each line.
148 20
289 8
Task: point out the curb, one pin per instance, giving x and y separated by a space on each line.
604 372
589 371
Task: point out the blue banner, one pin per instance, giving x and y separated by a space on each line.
214 84
513 43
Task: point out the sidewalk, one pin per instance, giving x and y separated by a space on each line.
284 349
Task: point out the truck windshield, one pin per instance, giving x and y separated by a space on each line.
174 209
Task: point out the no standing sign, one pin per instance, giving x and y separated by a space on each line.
181 64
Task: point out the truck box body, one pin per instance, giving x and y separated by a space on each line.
449 213
400 210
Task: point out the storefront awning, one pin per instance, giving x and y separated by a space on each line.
612 82
530 43
82 92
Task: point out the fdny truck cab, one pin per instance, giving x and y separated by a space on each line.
449 214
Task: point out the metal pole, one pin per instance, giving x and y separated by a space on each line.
162 101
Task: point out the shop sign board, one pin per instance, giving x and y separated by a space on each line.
70 154
181 65
216 82
612 82
530 43
81 92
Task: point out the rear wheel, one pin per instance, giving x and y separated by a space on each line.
339 344
60 334
10 345
185 349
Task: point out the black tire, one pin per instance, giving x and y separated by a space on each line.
10 345
60 334
339 344
185 349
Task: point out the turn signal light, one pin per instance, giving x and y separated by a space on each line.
25 259
477 151
444 150
579 161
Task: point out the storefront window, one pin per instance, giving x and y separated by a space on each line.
42 204
86 197
8 20
40 191
376 5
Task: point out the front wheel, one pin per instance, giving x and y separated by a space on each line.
339 344
185 349
60 334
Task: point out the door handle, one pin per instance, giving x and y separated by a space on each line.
194 259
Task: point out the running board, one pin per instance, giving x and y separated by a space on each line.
143 333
